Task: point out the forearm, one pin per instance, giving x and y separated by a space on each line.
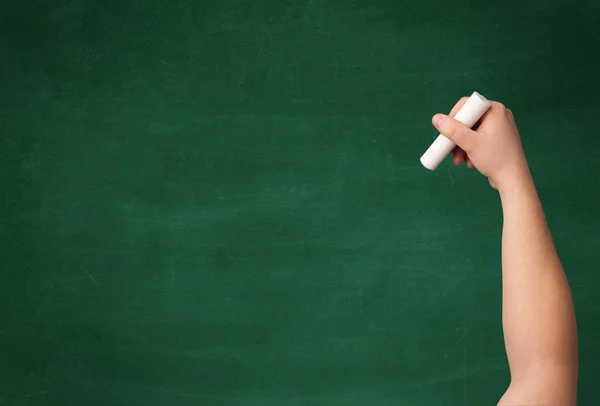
537 309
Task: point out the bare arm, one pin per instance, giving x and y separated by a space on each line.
537 310
540 333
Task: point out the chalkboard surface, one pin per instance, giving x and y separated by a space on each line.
221 202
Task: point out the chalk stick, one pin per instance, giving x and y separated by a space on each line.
469 114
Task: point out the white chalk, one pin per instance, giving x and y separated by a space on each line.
469 114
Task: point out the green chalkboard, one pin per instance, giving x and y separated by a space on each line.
221 202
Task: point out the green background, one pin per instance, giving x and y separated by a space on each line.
221 202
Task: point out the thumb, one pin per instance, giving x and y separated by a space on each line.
456 131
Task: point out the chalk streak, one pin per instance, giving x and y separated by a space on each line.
36 393
92 278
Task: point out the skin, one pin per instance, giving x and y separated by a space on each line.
538 318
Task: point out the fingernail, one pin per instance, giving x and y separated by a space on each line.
437 119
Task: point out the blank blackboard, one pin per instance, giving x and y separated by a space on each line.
221 202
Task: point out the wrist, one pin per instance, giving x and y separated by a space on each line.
516 180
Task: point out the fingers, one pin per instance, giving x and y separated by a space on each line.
470 163
456 131
458 106
459 156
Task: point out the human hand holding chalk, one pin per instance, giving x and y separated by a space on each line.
469 114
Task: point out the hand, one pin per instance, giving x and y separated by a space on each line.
494 148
